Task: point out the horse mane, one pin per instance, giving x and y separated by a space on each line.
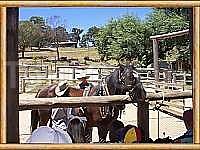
75 128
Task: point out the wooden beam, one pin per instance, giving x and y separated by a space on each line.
143 119
34 103
155 59
86 67
110 3
170 35
171 112
72 101
3 75
170 95
12 82
196 74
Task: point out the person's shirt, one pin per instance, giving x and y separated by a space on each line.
83 85
187 137
60 117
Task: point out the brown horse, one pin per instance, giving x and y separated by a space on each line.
123 79
75 128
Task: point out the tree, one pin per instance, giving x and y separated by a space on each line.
85 40
41 31
160 22
89 37
129 38
61 33
183 12
58 29
27 35
120 39
92 32
76 34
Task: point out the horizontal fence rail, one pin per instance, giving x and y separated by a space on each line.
35 103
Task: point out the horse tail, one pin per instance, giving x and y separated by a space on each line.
34 116
76 130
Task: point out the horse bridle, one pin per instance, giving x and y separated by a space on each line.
121 77
133 86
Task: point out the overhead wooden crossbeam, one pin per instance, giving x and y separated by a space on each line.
156 39
170 35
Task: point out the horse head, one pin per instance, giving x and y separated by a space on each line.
129 80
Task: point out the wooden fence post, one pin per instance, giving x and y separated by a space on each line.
57 72
23 85
41 63
143 119
12 80
184 80
47 71
51 67
27 71
99 73
73 73
51 81
55 65
155 60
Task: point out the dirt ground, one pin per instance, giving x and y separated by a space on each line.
167 124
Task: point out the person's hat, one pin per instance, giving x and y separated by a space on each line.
61 88
46 134
83 76
133 135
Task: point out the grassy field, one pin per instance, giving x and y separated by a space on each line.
77 53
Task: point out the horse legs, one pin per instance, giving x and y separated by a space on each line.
34 119
88 134
102 132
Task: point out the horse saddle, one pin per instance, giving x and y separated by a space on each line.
104 111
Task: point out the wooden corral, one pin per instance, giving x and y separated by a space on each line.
142 111
156 39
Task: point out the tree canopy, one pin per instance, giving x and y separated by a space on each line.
124 38
129 38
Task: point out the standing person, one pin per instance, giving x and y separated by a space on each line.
187 137
84 83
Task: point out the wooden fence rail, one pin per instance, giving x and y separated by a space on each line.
23 81
35 103
147 75
28 70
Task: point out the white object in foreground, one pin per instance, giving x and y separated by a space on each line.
46 134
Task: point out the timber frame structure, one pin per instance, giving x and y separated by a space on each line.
12 98
156 39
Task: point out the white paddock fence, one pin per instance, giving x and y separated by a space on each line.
168 79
